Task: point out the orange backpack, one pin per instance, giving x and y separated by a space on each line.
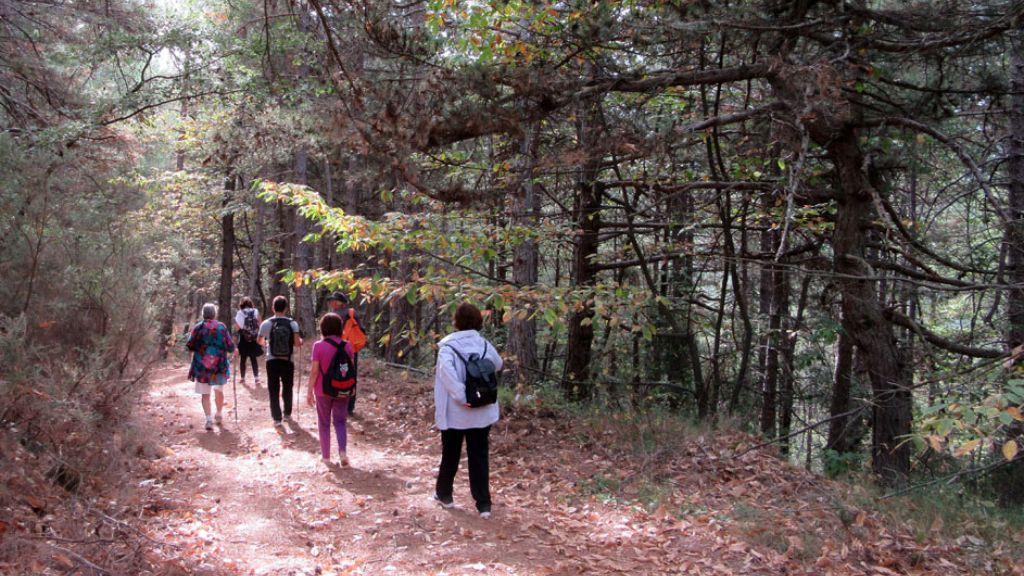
353 332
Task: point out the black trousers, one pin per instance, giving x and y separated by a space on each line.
280 377
352 398
477 451
250 351
251 356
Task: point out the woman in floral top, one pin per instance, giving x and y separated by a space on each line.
211 344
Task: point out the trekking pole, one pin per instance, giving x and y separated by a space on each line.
297 377
234 388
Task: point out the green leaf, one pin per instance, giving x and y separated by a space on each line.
551 317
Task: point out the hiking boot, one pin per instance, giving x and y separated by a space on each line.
445 503
209 423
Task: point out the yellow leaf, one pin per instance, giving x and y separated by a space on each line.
935 442
1015 413
967 447
1010 450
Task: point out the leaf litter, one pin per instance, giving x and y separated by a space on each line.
246 499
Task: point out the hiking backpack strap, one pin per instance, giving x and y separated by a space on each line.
461 357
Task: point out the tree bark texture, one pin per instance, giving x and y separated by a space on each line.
522 333
1009 483
863 317
576 380
1015 193
227 254
303 312
768 353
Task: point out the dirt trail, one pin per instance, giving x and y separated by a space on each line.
251 499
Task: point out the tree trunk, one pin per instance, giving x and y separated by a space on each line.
839 438
227 254
285 225
1015 193
576 381
522 333
768 354
257 245
303 312
1009 482
787 344
863 317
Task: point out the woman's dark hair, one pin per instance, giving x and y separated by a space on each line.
330 325
468 317
245 303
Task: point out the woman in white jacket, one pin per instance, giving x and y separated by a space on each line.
455 418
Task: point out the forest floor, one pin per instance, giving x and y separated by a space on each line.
568 499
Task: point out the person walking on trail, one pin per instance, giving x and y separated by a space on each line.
247 320
352 332
210 342
282 334
331 409
452 412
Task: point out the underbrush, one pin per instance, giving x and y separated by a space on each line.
66 445
661 462
955 513
647 435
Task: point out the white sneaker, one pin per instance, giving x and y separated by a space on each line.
218 419
209 423
485 514
447 504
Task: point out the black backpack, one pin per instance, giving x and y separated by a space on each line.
250 328
281 337
340 378
481 379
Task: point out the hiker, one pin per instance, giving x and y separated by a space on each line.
247 319
351 331
281 336
210 342
453 415
329 409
